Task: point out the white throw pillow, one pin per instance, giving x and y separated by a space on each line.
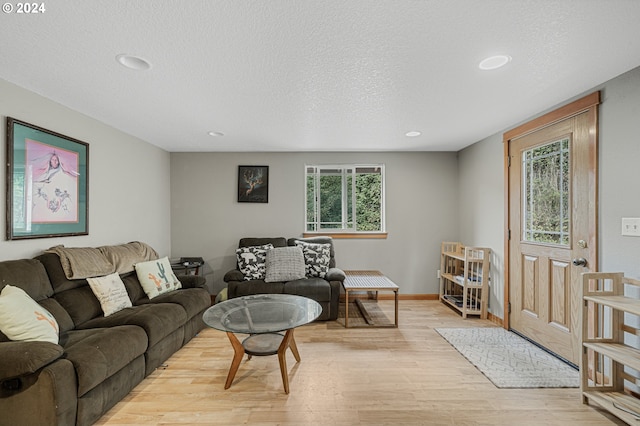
110 292
252 261
22 318
157 277
284 264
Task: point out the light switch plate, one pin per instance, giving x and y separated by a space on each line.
631 226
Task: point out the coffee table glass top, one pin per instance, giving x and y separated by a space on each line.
262 313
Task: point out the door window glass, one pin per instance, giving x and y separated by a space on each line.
545 180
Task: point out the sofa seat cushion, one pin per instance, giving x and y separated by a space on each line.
192 300
99 353
248 288
317 289
157 319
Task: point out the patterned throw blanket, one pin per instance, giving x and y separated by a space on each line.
86 262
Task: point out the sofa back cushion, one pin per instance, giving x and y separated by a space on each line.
76 297
135 290
276 242
29 275
60 314
81 304
59 280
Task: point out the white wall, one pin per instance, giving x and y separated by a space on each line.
481 200
619 172
128 178
619 189
421 207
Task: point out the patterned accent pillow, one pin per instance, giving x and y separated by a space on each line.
23 319
110 292
316 258
156 277
284 264
252 261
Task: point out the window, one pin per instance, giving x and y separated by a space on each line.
345 198
545 183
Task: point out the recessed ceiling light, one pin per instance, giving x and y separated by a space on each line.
212 133
133 62
412 134
493 62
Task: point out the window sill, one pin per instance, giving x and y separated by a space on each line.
348 235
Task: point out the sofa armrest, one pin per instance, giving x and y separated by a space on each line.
24 358
192 281
335 274
233 275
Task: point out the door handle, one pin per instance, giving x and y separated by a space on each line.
581 261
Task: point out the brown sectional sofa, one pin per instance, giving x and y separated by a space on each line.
99 359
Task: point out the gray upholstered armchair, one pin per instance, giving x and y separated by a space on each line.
323 287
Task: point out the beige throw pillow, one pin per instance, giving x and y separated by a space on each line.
23 319
110 292
157 277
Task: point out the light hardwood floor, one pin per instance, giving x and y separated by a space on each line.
385 376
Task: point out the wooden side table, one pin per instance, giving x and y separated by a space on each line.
367 281
186 265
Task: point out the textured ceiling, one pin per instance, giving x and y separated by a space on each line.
317 75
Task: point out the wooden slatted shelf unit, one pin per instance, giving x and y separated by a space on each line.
607 356
464 277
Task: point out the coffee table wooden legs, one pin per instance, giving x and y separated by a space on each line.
287 342
238 350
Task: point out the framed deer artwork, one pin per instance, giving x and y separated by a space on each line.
253 184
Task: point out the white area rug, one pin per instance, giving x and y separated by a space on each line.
510 361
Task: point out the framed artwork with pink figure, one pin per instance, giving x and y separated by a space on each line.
47 183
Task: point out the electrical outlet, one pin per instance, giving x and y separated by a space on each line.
631 226
438 274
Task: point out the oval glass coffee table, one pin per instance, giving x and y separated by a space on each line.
264 317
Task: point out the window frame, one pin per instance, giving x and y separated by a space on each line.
344 171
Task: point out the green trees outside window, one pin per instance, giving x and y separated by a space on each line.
345 198
546 193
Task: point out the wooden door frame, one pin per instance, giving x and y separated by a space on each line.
588 104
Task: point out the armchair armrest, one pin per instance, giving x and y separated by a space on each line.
335 274
24 358
192 281
233 275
